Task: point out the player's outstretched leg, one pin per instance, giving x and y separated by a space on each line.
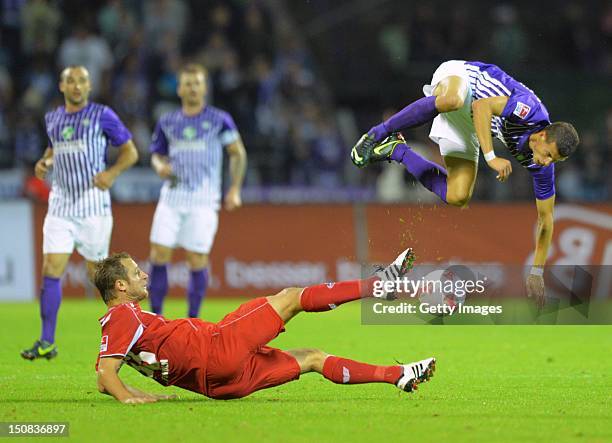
448 95
291 301
431 175
454 186
345 371
415 114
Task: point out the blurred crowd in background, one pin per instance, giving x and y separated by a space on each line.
303 79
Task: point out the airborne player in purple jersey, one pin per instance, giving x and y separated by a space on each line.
187 152
79 214
470 103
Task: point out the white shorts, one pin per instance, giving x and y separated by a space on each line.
192 229
90 235
454 131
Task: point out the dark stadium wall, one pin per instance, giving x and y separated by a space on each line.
263 248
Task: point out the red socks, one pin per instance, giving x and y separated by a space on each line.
342 370
330 295
345 371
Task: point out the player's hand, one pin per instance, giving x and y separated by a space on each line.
233 199
535 289
165 397
42 167
139 400
104 180
502 166
165 171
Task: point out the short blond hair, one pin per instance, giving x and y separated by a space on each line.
107 272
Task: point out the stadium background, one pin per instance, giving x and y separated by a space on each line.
303 80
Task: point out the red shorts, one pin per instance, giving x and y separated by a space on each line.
239 362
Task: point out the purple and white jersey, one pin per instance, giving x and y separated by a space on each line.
194 146
523 115
79 141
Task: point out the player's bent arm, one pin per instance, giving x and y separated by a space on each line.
48 154
159 163
110 383
42 166
238 163
128 155
544 230
483 110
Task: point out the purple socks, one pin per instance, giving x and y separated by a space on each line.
198 281
415 114
158 287
50 299
431 175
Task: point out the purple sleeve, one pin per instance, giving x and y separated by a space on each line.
159 142
113 128
524 107
543 182
49 141
229 132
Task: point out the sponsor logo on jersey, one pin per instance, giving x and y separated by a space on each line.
188 145
521 110
70 147
104 343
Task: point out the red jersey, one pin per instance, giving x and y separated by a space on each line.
172 352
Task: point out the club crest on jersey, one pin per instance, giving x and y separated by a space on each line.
104 343
189 132
67 132
521 110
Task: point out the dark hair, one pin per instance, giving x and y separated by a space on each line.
108 271
565 135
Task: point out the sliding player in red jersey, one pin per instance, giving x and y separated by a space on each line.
230 359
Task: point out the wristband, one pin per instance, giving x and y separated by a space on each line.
489 156
536 270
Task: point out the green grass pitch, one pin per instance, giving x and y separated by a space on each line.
493 383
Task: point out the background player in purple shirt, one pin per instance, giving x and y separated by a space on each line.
187 152
79 214
470 103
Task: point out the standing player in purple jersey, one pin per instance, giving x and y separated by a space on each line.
187 152
470 103
79 213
